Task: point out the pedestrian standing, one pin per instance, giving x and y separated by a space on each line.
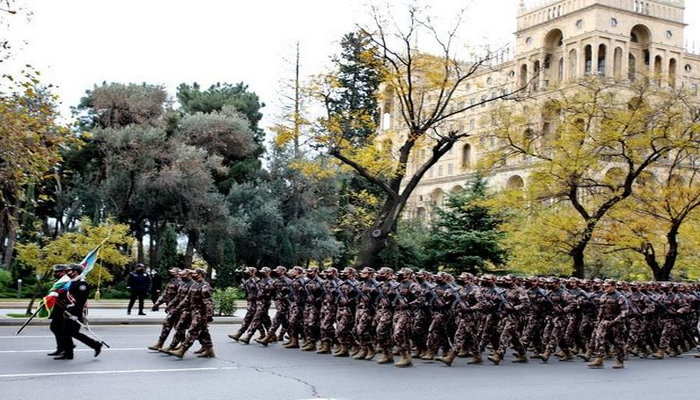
138 284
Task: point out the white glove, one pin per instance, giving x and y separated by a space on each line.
73 318
53 294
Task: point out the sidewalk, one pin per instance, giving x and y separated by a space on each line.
108 313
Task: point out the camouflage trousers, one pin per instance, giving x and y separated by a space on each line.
437 331
533 332
312 322
637 336
328 315
364 325
556 331
296 318
170 322
261 317
489 332
384 323
251 307
509 335
181 328
281 318
585 329
573 333
402 326
344 323
198 330
609 331
421 324
669 333
464 336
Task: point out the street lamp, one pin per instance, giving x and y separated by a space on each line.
19 288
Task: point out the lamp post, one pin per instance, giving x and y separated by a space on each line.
19 288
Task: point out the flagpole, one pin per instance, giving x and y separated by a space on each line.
29 320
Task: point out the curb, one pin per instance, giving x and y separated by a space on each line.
117 321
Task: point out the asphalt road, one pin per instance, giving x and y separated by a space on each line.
129 371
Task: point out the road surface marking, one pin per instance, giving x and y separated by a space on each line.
115 372
50 350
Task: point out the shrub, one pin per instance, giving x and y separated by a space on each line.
225 300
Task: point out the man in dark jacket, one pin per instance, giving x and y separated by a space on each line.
74 313
138 284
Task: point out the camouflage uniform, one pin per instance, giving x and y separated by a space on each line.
181 314
282 293
440 299
296 308
516 302
263 299
641 307
202 308
613 309
364 315
312 310
385 314
345 315
169 297
408 295
250 288
329 310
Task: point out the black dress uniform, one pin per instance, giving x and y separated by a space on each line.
77 296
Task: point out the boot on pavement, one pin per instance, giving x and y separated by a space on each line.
659 355
586 356
476 359
156 346
246 338
310 346
496 358
405 360
293 343
545 356
235 336
429 355
371 352
325 348
208 352
180 352
619 364
597 363
448 358
387 356
360 354
342 352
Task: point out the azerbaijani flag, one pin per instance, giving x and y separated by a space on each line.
89 261
47 304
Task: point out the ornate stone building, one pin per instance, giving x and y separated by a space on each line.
555 41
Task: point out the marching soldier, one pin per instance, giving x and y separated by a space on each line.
609 326
250 288
168 297
202 311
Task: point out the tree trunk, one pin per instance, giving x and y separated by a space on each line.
374 239
11 238
579 260
192 239
139 245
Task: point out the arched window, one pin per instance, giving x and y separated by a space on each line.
515 182
589 58
632 73
523 75
602 56
672 66
467 156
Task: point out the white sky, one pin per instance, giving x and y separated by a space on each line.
79 43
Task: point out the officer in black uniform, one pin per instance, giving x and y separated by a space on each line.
77 297
56 317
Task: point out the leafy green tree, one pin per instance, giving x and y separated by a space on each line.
226 272
467 233
116 105
408 247
168 257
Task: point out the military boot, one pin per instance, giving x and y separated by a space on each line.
387 356
521 358
448 358
271 338
659 355
429 355
598 363
263 341
207 353
361 354
476 359
619 364
371 352
405 360
156 346
236 336
586 356
180 352
496 358
200 351
354 350
292 344
697 355
168 349
343 352
567 356
245 339
463 353
310 346
325 348
545 356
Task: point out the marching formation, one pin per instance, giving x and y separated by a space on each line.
189 308
417 315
